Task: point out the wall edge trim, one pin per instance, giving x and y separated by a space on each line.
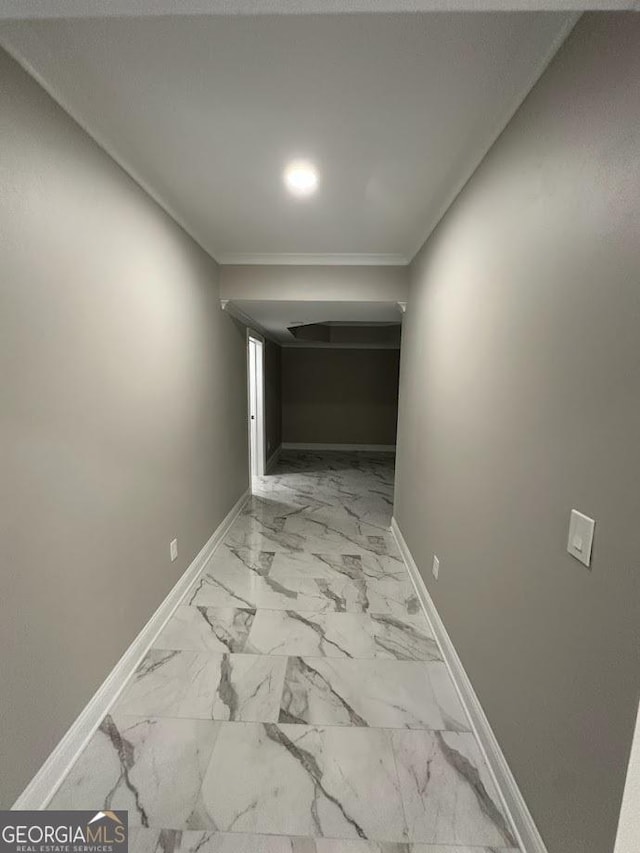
332 259
51 774
370 448
516 809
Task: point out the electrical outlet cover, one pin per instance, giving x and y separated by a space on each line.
580 541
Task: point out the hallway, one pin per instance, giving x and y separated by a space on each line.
388 252
296 698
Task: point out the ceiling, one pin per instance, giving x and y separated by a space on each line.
205 111
275 317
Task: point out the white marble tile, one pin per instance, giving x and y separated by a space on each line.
302 594
153 768
383 693
306 564
383 636
355 575
342 845
266 533
369 567
381 596
448 794
359 504
151 840
352 491
300 532
209 591
311 557
336 512
225 581
206 686
279 502
301 780
337 634
383 566
244 589
339 537
229 558
207 629
454 717
375 507
288 632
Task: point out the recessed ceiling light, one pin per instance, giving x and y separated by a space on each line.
301 178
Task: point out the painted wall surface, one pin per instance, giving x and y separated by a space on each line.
123 417
339 396
520 399
314 283
272 396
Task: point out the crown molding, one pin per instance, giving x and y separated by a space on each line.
230 308
25 9
34 9
304 259
514 106
335 345
17 54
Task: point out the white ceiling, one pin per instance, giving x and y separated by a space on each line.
204 111
274 317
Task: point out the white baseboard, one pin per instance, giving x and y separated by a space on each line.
48 779
272 461
524 828
370 448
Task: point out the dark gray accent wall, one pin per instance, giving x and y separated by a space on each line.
339 396
123 417
519 400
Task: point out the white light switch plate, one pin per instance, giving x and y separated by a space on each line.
435 569
580 541
173 549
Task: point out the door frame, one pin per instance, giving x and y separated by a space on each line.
257 460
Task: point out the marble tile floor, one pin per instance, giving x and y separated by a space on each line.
296 701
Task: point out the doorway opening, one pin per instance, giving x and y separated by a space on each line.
255 360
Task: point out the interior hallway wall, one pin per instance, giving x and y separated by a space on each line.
339 396
314 283
520 399
123 417
273 396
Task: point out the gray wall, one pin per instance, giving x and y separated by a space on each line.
123 417
272 396
520 399
339 396
292 282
